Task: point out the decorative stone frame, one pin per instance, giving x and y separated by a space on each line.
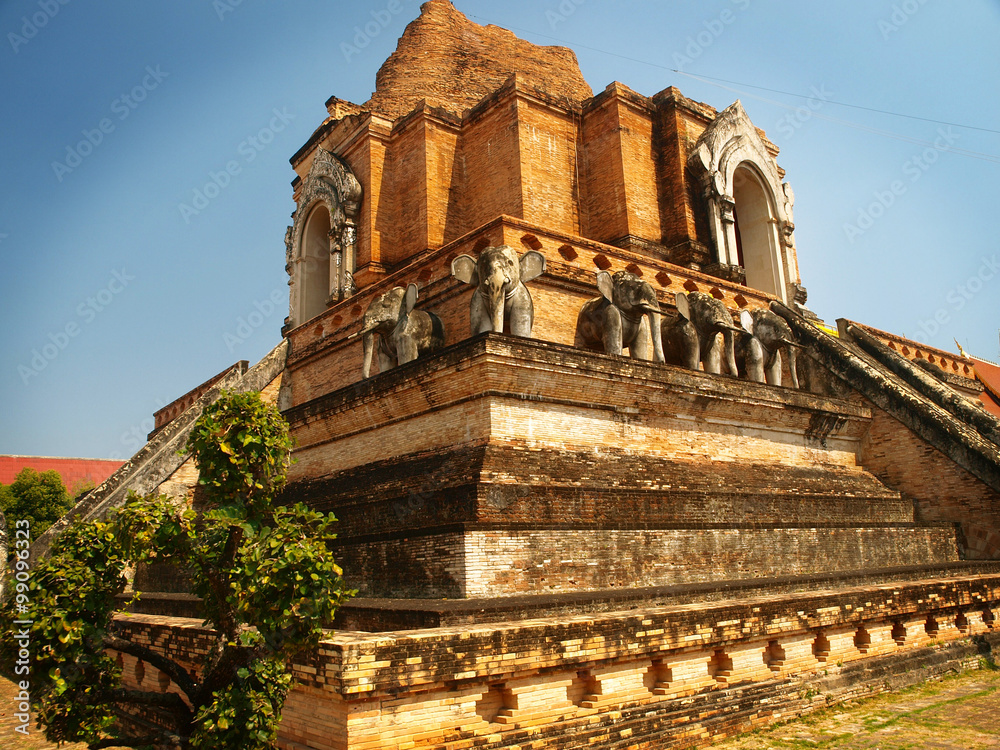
729 144
330 184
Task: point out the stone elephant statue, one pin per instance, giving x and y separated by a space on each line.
501 299
701 331
403 333
626 315
759 353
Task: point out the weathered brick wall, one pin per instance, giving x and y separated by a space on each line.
640 161
450 61
491 563
521 562
940 490
548 148
491 169
508 484
679 124
406 193
603 188
364 146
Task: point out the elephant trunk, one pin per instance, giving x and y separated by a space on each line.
729 346
792 369
654 333
368 341
496 313
492 289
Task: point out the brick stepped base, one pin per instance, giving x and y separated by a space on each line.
520 485
473 562
502 519
503 466
651 677
377 615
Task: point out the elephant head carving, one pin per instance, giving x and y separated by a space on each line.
759 354
501 299
626 315
701 331
403 333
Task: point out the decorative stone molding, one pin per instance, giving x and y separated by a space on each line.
735 274
729 143
330 184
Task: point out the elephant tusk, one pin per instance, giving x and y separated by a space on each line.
649 308
362 332
793 344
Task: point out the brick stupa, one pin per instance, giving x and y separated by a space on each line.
558 547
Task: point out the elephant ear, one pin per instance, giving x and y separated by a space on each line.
532 265
464 269
681 300
746 320
411 298
605 285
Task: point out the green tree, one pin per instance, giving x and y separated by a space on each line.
39 498
265 574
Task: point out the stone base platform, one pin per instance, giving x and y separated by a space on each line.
650 677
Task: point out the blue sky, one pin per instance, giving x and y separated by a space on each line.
118 299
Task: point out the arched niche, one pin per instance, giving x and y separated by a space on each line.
755 223
321 243
750 208
315 271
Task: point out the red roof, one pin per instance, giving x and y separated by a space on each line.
74 471
988 374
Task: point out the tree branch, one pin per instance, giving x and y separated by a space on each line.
176 672
220 583
170 701
222 672
232 546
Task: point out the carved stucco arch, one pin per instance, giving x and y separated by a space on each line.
330 184
730 143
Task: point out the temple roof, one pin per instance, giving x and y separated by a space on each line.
452 63
988 374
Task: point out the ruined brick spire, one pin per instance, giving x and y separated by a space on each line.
453 63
